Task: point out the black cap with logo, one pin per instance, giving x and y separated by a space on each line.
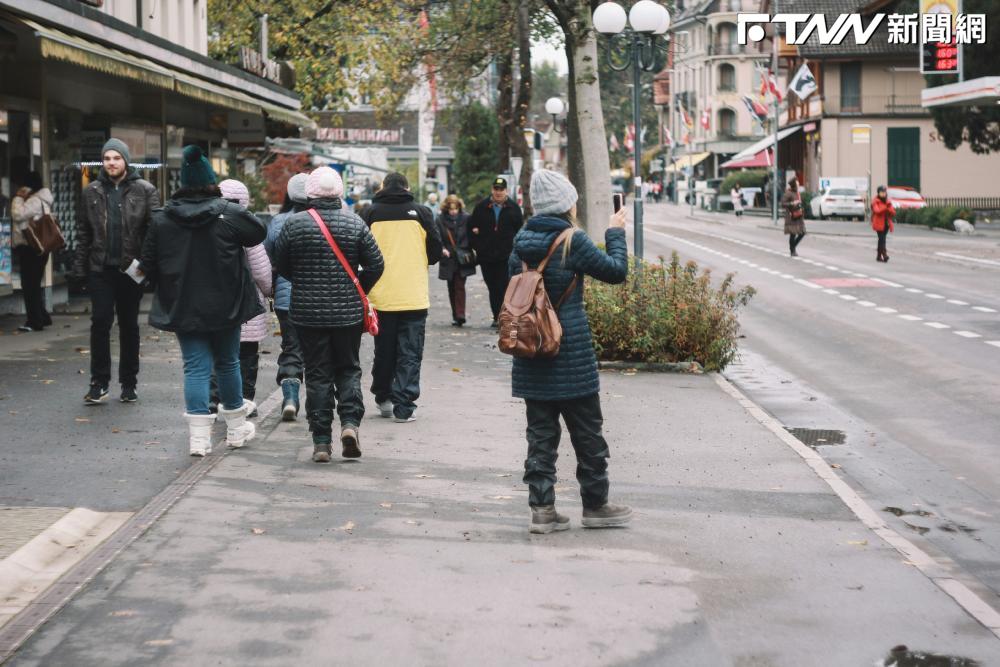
500 183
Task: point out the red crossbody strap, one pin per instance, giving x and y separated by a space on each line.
336 250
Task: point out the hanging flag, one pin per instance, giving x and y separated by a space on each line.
686 118
706 117
613 144
772 82
804 83
629 140
668 138
763 81
758 111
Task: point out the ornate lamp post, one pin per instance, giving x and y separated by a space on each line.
638 48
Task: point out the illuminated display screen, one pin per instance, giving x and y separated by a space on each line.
939 58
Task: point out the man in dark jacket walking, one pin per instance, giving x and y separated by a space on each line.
492 226
117 209
326 308
410 242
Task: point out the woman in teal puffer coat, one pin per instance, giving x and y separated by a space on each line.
566 385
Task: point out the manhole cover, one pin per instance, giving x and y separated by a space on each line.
816 437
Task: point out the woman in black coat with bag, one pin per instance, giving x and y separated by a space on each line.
458 261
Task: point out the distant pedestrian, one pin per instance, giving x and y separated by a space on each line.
566 385
194 255
454 230
883 221
257 329
493 223
795 225
326 308
410 242
290 363
116 212
432 203
736 194
32 201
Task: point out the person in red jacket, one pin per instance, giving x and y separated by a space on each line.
883 213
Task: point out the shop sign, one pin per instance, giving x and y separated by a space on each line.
350 135
252 61
91 143
246 128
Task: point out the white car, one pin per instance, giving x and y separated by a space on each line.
839 202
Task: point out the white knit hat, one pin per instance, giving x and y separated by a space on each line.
297 188
236 191
324 182
551 193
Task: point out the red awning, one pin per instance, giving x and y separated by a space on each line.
761 159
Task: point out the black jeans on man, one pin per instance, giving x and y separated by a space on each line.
496 277
290 359
584 421
32 272
399 351
333 377
113 292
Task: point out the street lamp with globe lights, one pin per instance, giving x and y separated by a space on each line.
554 106
639 49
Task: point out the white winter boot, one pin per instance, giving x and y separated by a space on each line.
200 429
238 429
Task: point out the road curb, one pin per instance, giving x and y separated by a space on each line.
691 367
913 555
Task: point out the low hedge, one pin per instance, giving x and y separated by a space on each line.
667 313
751 178
935 216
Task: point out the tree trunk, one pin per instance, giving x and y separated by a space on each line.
518 142
587 148
504 110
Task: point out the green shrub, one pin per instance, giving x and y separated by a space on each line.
934 216
807 198
667 312
751 178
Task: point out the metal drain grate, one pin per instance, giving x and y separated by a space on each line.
817 437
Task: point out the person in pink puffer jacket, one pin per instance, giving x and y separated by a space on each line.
257 329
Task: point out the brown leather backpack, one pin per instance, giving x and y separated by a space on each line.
529 325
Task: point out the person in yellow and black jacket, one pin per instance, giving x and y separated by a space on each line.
410 242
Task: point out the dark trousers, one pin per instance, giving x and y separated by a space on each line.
456 295
881 241
333 377
496 278
32 272
290 359
584 421
399 351
113 292
793 241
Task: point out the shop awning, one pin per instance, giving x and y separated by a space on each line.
765 143
283 115
685 161
57 45
761 159
213 94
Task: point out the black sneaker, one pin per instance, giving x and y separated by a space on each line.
98 394
129 395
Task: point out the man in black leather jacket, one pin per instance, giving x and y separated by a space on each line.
492 226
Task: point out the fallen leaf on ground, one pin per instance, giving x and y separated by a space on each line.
423 476
257 531
456 370
859 543
502 497
385 505
82 420
834 465
116 430
412 522
124 612
159 642
504 474
47 381
349 526
151 442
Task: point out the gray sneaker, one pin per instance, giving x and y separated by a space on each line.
385 409
607 516
545 519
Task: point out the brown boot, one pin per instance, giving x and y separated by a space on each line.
350 442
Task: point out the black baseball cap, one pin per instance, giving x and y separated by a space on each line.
500 183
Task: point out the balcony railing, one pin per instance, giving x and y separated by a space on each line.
725 87
865 105
726 49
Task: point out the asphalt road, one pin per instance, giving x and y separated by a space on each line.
901 359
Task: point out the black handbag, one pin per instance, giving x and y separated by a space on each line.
464 257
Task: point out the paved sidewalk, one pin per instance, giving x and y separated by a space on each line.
418 553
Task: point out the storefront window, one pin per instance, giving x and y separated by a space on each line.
20 153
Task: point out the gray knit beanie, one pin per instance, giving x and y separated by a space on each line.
297 188
551 193
118 146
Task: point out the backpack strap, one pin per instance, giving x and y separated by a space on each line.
562 238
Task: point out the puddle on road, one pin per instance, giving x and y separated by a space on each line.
901 656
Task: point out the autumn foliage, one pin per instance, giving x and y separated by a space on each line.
277 172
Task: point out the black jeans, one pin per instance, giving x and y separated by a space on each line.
333 377
113 292
881 241
793 241
399 351
584 421
290 359
32 272
496 277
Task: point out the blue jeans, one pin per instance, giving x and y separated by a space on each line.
202 352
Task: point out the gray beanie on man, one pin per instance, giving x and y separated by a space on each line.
297 188
118 146
551 193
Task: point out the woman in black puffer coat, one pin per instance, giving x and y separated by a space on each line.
455 238
326 308
566 385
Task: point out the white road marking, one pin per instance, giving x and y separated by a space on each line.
807 283
848 297
914 290
831 291
887 282
787 276
994 343
860 275
936 325
967 334
934 296
958 303
866 304
910 318
983 309
886 309
988 262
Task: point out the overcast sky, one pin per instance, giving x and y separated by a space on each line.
542 51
